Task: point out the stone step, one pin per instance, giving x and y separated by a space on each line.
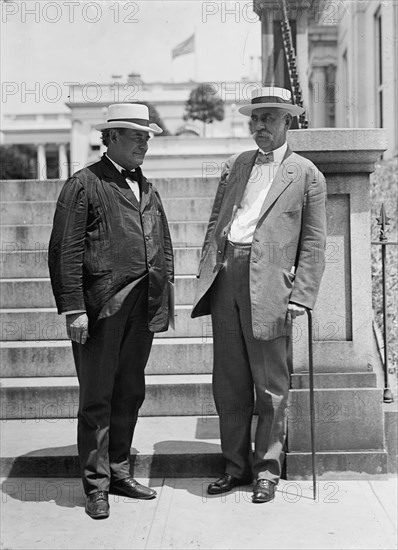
335 380
344 464
36 237
31 293
57 397
47 359
26 190
185 446
30 190
188 209
42 212
17 261
45 324
187 395
345 418
27 212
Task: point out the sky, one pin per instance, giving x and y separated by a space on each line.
47 44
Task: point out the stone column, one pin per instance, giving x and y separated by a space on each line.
348 403
322 56
41 162
63 172
344 308
267 48
318 106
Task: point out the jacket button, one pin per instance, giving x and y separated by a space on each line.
147 238
218 251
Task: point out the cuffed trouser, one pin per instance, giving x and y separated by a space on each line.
110 368
242 364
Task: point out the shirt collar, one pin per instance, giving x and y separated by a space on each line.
116 165
278 153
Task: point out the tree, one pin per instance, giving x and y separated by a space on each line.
204 104
17 162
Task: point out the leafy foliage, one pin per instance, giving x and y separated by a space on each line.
204 104
384 189
17 162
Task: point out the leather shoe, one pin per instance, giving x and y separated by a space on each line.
130 488
263 491
97 505
226 483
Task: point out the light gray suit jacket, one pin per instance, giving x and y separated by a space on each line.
291 232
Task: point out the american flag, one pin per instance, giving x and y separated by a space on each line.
187 46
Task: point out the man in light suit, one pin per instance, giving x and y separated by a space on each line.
261 266
111 268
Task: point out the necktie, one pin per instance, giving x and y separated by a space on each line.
132 175
265 158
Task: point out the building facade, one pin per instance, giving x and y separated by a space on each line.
367 68
48 133
71 139
346 54
88 107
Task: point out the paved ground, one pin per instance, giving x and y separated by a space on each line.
49 514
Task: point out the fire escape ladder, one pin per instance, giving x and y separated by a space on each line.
290 56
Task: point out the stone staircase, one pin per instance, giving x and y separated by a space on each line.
177 432
39 390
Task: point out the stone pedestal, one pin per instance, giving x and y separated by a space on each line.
348 406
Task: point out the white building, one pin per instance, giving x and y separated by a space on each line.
346 57
72 141
367 67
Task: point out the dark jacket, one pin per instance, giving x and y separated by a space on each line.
102 240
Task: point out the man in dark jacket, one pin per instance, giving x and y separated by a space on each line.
111 268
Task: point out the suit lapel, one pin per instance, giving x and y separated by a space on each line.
242 174
145 191
117 181
283 179
237 182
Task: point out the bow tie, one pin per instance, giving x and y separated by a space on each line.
265 158
130 174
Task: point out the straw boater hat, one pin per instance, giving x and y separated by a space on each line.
134 116
271 97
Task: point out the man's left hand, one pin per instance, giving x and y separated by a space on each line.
294 310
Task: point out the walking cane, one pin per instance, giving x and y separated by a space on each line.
312 408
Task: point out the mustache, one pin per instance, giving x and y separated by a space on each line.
262 133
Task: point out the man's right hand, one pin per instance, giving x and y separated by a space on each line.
77 327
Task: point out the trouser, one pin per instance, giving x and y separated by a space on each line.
110 368
243 365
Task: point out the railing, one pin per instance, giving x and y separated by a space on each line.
383 241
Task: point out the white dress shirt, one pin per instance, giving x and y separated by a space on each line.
257 188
